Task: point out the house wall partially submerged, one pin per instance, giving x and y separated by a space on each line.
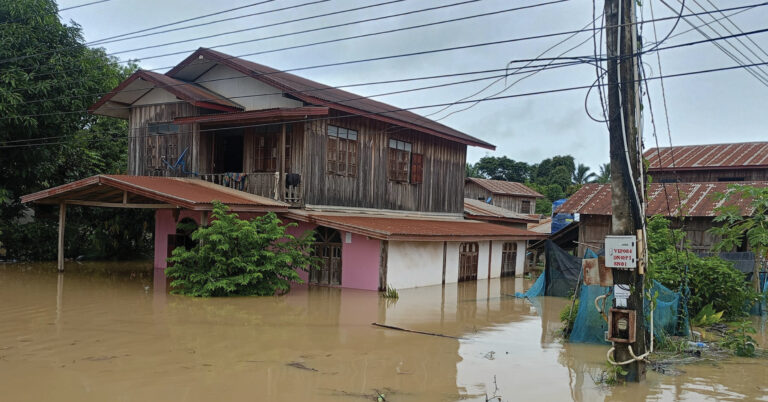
409 264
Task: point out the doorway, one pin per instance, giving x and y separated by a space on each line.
508 259
328 249
468 254
228 152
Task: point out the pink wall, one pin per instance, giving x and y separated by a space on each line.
165 225
360 262
359 258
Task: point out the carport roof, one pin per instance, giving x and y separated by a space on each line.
413 228
119 191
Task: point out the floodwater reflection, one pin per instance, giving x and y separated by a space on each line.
110 331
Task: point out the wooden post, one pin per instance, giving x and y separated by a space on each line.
62 222
281 184
203 219
626 187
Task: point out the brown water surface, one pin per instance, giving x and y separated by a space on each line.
107 332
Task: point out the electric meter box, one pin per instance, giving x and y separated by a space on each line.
621 252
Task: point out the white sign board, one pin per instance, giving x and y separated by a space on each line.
621 252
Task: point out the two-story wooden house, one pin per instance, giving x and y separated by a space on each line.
516 197
382 187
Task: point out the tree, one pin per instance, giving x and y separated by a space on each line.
605 174
49 77
240 257
737 228
503 168
472 171
582 175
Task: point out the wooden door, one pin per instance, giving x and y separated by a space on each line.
328 248
468 261
508 259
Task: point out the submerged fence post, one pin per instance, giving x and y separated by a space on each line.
62 222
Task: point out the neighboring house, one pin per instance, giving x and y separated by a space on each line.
746 161
697 203
382 187
510 195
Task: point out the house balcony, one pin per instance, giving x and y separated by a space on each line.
265 184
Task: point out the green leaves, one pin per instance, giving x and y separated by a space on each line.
240 257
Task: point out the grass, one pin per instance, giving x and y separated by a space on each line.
391 293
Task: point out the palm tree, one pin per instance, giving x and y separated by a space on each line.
582 175
605 174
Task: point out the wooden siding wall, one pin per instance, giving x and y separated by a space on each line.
440 191
698 176
139 139
594 228
512 203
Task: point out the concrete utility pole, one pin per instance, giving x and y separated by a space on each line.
626 162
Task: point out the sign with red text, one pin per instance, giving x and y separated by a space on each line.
621 252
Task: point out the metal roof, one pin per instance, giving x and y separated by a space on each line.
697 199
315 93
148 191
126 93
414 229
691 157
505 187
477 208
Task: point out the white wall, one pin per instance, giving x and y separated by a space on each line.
496 259
414 264
520 263
241 88
156 96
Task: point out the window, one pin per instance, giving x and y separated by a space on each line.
399 160
341 152
267 152
161 144
525 207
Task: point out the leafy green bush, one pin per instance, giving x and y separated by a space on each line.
739 341
568 317
710 279
240 257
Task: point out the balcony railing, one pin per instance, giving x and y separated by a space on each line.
263 184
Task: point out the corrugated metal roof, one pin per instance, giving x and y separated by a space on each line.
483 209
697 199
315 93
505 187
183 192
736 155
186 91
544 226
414 229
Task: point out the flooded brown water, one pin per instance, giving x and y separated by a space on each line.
105 332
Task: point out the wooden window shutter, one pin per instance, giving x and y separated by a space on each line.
332 153
392 154
417 168
352 164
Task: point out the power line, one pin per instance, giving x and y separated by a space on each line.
352 115
763 80
728 18
433 51
83 5
582 59
379 18
325 88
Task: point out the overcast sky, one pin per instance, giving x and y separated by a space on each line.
728 106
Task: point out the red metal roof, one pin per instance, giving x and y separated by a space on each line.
264 114
688 157
505 187
415 229
697 199
186 91
318 94
182 192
